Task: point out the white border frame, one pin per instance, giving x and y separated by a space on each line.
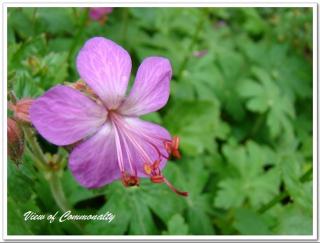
156 3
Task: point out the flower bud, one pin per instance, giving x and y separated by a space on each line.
15 141
99 13
21 109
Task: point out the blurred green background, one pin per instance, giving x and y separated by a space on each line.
241 101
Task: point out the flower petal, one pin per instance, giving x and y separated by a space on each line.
94 162
151 88
106 67
64 116
148 136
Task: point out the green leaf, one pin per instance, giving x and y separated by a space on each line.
251 181
21 181
60 44
16 224
19 21
53 69
265 96
248 222
131 213
196 175
199 221
294 221
291 164
254 23
56 20
230 194
135 208
173 203
24 85
215 76
76 192
184 118
177 226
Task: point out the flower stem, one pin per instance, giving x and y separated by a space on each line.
58 194
43 165
125 25
190 47
34 16
82 18
284 194
35 149
57 191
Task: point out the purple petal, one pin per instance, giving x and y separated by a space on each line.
98 13
94 162
64 116
151 88
149 137
106 67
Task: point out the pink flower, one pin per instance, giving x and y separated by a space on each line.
115 143
99 13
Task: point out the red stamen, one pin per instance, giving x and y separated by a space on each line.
167 146
151 169
157 179
156 164
176 154
172 147
175 142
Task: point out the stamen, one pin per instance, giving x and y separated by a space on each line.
133 169
157 179
131 138
129 180
185 194
152 169
172 147
148 139
147 168
118 148
175 142
176 154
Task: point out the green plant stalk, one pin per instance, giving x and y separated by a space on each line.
284 194
34 15
37 162
42 164
35 149
78 34
57 190
125 25
192 43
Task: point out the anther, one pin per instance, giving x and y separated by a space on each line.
147 168
129 180
172 147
